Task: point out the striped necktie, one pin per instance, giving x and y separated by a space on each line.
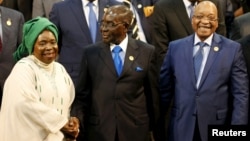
92 22
133 31
198 57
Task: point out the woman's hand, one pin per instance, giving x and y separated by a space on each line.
71 128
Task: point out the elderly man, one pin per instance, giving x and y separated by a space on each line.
117 95
202 72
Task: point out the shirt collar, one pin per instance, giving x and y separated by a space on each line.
123 44
208 40
85 2
187 3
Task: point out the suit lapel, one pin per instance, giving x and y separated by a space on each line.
131 55
182 15
5 28
131 52
106 56
211 57
188 49
76 7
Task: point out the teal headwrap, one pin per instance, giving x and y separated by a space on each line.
31 30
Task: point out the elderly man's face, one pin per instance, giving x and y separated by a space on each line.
46 48
113 28
205 19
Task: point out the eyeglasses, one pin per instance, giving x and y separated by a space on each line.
109 24
209 18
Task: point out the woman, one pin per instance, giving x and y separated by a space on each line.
38 93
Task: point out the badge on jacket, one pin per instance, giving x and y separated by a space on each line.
148 10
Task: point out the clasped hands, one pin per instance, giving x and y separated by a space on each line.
71 128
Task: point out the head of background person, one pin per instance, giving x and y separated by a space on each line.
205 19
115 24
194 1
40 38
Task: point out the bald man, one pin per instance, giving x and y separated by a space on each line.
202 91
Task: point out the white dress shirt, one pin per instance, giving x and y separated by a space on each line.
86 9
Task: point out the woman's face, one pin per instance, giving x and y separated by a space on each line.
46 48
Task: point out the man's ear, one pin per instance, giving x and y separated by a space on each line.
126 25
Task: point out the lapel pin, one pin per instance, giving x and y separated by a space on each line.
139 6
216 49
8 22
131 58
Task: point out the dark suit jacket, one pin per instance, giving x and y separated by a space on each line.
24 6
12 25
240 27
139 5
109 103
170 21
42 7
224 76
245 43
74 32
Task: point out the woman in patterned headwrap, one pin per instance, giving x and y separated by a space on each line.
38 93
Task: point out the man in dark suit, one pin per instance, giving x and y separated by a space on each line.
117 105
71 18
11 36
245 43
202 96
240 27
143 10
24 6
171 21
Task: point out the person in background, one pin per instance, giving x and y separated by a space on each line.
72 19
38 93
244 7
117 100
142 10
206 75
24 6
240 27
245 43
11 24
227 8
42 7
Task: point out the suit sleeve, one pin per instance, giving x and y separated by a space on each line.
235 31
82 99
240 89
153 97
159 36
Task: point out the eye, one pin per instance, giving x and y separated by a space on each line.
42 43
53 42
211 18
199 17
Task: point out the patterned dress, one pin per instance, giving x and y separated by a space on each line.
37 98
